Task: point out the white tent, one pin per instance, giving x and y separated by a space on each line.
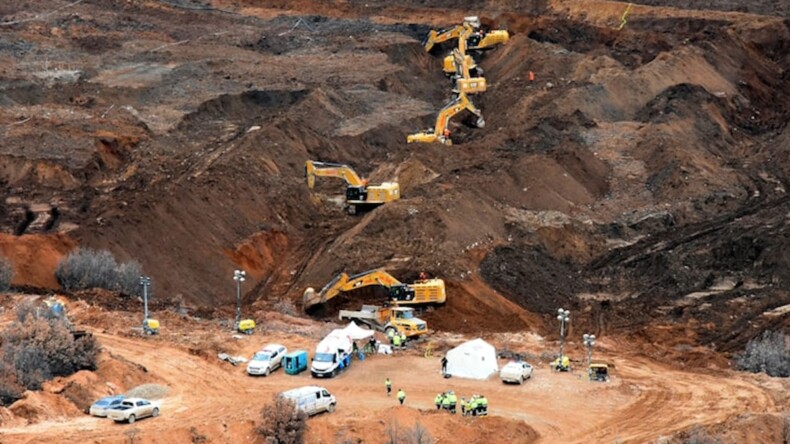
475 359
356 332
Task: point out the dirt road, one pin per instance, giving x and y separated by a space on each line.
643 401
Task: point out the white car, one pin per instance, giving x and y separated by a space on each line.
515 371
311 399
267 360
132 409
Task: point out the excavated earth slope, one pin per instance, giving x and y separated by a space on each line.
639 177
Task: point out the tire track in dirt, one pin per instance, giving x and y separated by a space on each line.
672 401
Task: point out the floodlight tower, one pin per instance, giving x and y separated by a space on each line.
238 276
145 281
589 342
563 316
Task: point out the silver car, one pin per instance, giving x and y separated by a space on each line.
132 409
100 407
267 360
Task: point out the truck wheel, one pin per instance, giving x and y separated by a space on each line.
131 419
266 372
331 408
521 379
155 413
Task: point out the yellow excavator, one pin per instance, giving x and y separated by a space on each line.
463 81
358 192
475 37
470 37
440 133
423 291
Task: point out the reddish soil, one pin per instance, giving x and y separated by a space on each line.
639 181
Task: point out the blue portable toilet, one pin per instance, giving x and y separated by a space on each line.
295 362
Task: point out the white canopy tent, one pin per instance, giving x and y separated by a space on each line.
475 359
356 332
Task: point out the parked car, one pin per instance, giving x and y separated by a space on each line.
132 409
311 399
515 371
266 360
100 407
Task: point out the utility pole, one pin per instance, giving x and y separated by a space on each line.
563 316
589 341
145 281
238 276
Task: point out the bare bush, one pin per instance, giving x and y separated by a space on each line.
417 434
698 435
282 422
6 274
768 353
37 349
286 307
10 390
86 268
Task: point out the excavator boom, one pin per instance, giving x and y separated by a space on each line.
468 27
425 291
457 105
326 169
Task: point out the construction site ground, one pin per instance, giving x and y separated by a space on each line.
639 181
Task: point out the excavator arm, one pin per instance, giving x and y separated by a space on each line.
465 30
343 282
434 37
457 105
326 169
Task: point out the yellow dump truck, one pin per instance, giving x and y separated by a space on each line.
400 319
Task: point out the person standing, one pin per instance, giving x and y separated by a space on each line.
388 384
401 396
438 401
396 341
403 339
444 365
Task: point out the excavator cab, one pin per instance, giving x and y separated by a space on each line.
356 193
402 292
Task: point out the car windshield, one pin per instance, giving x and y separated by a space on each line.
261 356
103 402
408 314
324 357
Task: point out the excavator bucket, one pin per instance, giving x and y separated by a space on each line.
491 39
309 174
311 298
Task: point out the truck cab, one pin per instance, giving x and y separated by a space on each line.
332 356
404 320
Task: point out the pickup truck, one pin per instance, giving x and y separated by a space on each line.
397 319
515 371
132 409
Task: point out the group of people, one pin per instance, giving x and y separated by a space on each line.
476 406
397 339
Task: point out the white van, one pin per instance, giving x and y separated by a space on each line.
311 399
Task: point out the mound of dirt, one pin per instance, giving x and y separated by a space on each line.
35 257
407 423
43 406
